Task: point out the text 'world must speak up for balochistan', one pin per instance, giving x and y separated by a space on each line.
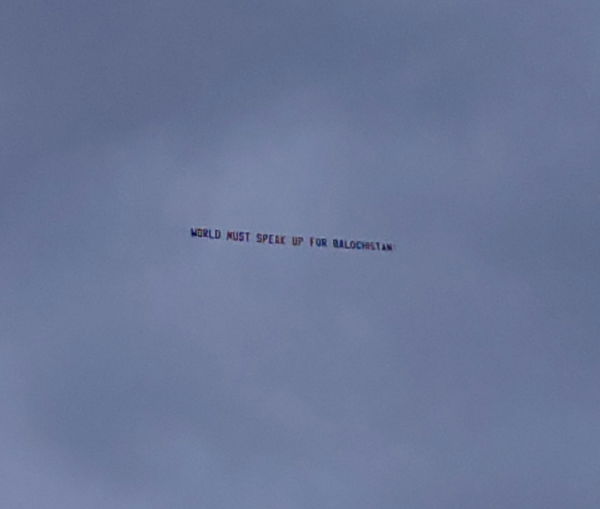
293 240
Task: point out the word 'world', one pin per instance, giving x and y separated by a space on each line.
277 239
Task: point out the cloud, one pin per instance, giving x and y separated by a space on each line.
143 368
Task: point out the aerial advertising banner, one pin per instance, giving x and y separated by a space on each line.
277 239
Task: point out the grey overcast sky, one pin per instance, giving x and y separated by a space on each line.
142 368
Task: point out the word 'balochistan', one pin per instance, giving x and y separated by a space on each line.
292 240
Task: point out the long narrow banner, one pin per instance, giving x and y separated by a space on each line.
277 239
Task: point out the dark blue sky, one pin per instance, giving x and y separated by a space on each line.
140 367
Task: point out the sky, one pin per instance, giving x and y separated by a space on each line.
144 368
